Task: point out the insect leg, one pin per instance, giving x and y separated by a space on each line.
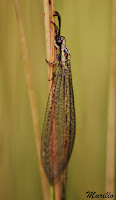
57 30
59 20
50 63
54 75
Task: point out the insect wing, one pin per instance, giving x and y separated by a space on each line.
49 144
59 126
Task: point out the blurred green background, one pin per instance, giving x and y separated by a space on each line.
87 26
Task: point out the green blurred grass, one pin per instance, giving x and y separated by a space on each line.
87 27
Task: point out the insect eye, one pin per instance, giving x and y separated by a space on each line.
59 42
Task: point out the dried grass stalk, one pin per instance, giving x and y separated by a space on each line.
31 98
110 147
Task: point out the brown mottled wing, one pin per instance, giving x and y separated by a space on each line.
59 126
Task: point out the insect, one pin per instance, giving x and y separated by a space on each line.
59 123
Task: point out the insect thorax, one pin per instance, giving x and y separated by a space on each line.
64 56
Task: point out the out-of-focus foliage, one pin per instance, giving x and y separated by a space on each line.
87 28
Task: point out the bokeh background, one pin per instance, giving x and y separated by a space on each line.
87 26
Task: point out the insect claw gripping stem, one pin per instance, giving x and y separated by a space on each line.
52 77
50 63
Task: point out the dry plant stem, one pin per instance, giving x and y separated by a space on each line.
47 33
57 191
51 193
32 99
110 148
53 57
51 53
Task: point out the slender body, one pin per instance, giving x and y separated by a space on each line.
59 124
